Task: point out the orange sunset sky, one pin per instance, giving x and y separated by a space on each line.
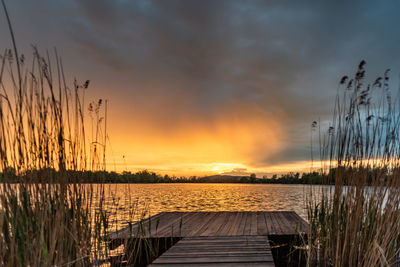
208 87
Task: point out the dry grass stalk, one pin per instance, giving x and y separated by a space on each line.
356 222
46 218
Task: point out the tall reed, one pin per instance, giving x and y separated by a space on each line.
356 222
47 217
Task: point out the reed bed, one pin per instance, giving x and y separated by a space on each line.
47 217
48 138
356 222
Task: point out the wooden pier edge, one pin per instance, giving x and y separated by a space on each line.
214 238
225 223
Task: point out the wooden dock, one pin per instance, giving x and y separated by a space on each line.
218 251
215 238
194 224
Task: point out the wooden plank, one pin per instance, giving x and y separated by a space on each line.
228 259
155 227
217 254
276 223
224 238
242 224
224 231
234 245
225 225
304 225
217 238
221 252
269 224
227 250
298 224
167 224
283 222
214 225
235 224
218 251
261 224
253 228
238 248
198 232
171 226
163 221
152 226
236 239
293 224
127 232
198 221
210 264
174 227
202 219
247 225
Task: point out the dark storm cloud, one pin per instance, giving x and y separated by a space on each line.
285 57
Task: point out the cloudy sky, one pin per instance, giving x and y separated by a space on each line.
201 87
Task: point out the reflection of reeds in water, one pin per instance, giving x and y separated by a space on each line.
48 218
357 222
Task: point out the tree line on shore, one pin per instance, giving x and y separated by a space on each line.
146 176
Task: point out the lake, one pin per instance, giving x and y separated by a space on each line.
130 202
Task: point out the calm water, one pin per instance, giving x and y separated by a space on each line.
127 202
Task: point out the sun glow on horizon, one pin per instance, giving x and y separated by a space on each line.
231 141
214 168
221 168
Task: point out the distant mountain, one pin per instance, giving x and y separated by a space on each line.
221 178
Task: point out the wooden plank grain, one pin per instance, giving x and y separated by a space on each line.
218 251
210 264
227 259
127 232
247 226
299 224
268 222
261 225
286 226
253 227
242 224
195 221
230 219
304 225
214 225
206 225
225 225
294 224
173 228
276 223
183 224
168 224
235 224
228 234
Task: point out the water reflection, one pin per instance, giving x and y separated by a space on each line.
127 202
